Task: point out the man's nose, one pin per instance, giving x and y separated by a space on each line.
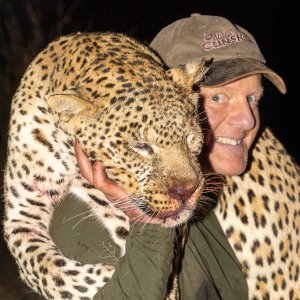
243 116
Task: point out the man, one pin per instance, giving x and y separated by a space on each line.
230 94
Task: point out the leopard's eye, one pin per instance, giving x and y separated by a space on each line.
143 148
194 142
190 138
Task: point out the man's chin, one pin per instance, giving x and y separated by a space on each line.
230 167
235 172
225 160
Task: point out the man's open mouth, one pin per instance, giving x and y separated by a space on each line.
227 141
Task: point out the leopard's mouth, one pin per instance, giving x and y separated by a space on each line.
164 216
169 218
170 215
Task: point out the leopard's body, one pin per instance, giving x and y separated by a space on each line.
114 95
260 214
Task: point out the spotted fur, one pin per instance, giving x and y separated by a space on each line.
260 214
113 94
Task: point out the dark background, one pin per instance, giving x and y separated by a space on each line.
27 26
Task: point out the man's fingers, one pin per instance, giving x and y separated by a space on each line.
100 178
97 176
111 189
84 163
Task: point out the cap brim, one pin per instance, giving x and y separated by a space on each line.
225 71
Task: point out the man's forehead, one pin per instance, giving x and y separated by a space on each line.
252 84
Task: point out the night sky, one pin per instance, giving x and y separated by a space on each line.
275 25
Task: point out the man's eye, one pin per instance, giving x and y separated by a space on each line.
217 98
253 100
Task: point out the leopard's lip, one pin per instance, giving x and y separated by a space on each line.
161 214
167 214
174 215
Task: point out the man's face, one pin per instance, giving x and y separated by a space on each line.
233 121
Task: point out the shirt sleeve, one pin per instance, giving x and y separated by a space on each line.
142 273
210 269
144 270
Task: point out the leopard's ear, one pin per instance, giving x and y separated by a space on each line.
67 105
189 74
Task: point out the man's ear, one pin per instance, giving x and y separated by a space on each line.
189 74
67 105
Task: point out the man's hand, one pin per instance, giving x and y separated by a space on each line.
97 176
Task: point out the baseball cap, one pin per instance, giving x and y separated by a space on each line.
231 49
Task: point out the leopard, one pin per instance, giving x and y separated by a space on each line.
259 212
116 97
104 87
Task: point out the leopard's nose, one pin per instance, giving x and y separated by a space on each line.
182 193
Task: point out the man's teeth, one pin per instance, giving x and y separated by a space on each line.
227 141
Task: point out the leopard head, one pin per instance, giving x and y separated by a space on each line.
143 125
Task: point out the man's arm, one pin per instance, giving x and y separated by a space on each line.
143 271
